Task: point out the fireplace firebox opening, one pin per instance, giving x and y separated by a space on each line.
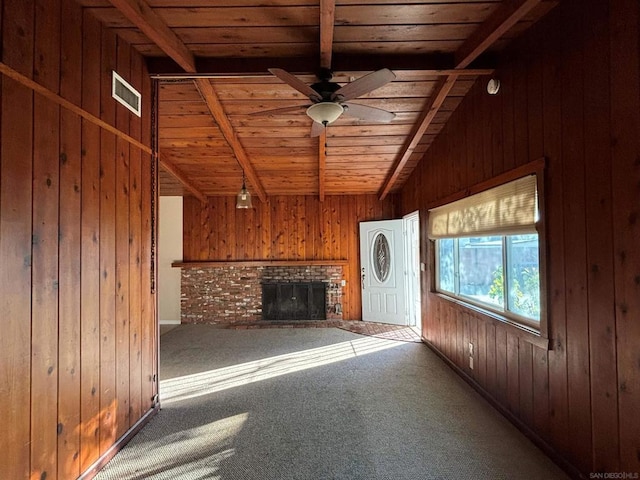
294 301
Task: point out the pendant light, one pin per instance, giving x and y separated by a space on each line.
243 199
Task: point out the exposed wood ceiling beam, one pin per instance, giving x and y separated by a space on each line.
440 64
492 29
143 16
177 173
487 33
327 19
322 162
467 72
215 107
440 92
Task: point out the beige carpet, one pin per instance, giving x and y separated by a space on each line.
318 403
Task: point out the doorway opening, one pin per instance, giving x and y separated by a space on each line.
412 268
169 251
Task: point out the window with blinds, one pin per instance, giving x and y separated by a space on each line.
487 250
508 209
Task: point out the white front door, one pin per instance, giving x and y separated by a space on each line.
382 272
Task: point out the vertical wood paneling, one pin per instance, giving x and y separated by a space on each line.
450 331
525 381
15 241
534 101
349 238
231 236
513 377
267 252
108 160
501 365
625 156
492 382
459 340
301 221
520 114
245 228
480 349
572 74
599 230
355 279
325 229
285 228
44 275
196 234
466 339
204 231
258 232
541 391
552 118
291 233
571 93
90 250
61 377
69 360
215 211
493 104
123 63
474 140
508 135
188 245
487 140
135 272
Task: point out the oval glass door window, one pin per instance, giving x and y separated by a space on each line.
381 257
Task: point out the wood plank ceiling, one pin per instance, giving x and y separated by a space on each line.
212 58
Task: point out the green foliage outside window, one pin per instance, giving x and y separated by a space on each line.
497 287
525 298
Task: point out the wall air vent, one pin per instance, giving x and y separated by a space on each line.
126 94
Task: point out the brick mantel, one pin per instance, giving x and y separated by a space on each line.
259 263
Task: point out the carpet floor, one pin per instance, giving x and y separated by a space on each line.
318 403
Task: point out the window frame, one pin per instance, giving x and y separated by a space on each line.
539 329
505 312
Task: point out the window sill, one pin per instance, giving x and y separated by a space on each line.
523 332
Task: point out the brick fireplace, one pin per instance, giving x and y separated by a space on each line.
231 292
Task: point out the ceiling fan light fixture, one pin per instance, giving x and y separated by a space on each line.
325 112
243 199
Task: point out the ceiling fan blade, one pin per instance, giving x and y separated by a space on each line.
296 83
316 129
363 85
364 112
276 111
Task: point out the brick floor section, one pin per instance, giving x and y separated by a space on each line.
379 330
382 330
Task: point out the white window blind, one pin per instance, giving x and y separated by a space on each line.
508 209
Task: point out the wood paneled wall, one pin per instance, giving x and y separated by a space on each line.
78 341
285 228
571 93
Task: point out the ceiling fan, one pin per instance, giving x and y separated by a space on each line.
330 100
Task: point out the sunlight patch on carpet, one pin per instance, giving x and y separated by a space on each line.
205 383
